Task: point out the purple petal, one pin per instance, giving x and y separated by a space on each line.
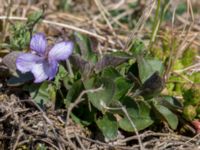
61 51
38 43
51 69
26 61
39 73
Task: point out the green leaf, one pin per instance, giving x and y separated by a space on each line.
85 46
74 92
140 123
84 67
10 60
139 113
122 86
151 87
108 125
111 73
52 92
131 105
171 103
102 97
168 115
147 67
20 79
79 114
156 65
112 60
40 93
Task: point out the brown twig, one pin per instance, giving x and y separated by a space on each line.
71 27
79 141
130 120
79 100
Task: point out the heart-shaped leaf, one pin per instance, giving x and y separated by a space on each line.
168 115
85 46
83 66
171 102
148 67
112 60
101 97
10 60
41 93
156 65
139 113
20 79
145 69
152 86
111 73
122 86
108 125
73 92
79 115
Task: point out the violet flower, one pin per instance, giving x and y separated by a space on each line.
41 61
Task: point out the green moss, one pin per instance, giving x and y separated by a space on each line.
192 95
189 112
178 65
188 57
195 77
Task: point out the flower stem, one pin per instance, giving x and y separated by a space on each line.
69 68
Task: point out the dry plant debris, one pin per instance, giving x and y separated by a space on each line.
24 125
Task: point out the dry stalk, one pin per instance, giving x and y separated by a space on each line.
130 120
79 100
71 27
175 53
103 13
145 15
80 142
47 120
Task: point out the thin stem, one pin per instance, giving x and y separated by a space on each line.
69 68
155 25
79 100
129 119
7 19
71 27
